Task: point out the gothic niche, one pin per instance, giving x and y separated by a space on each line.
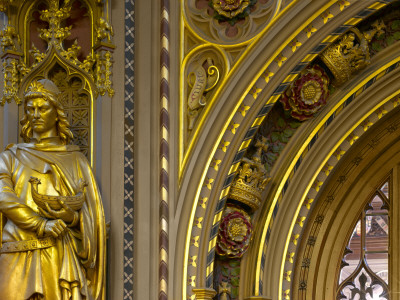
76 102
304 98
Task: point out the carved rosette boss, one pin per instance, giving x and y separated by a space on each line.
234 234
308 94
230 8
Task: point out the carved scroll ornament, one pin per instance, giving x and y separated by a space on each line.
200 83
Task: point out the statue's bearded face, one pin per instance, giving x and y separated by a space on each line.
43 117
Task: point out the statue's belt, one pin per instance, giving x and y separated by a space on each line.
21 246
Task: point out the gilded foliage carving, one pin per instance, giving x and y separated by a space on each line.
9 39
11 84
56 29
391 35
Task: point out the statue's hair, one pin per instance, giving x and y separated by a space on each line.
47 90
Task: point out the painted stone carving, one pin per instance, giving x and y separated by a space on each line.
308 94
230 21
200 82
232 10
235 233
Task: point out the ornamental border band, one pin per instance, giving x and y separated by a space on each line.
52 229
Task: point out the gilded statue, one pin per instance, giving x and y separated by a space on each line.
53 229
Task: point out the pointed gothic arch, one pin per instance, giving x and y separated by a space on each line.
244 102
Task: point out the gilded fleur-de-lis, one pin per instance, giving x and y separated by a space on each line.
267 75
224 291
294 44
326 16
310 29
343 4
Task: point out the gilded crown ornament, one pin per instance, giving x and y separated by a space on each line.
235 233
351 53
251 178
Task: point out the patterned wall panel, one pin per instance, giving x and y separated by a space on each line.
76 102
128 148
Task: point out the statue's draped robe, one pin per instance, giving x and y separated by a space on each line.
75 267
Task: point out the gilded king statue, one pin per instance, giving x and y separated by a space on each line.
53 228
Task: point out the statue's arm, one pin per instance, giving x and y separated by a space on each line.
10 204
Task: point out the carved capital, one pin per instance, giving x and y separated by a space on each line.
204 293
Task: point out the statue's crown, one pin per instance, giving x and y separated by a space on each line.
42 88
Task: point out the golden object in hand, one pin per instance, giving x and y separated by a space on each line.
74 202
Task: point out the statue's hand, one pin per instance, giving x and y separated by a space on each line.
45 214
66 213
54 228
